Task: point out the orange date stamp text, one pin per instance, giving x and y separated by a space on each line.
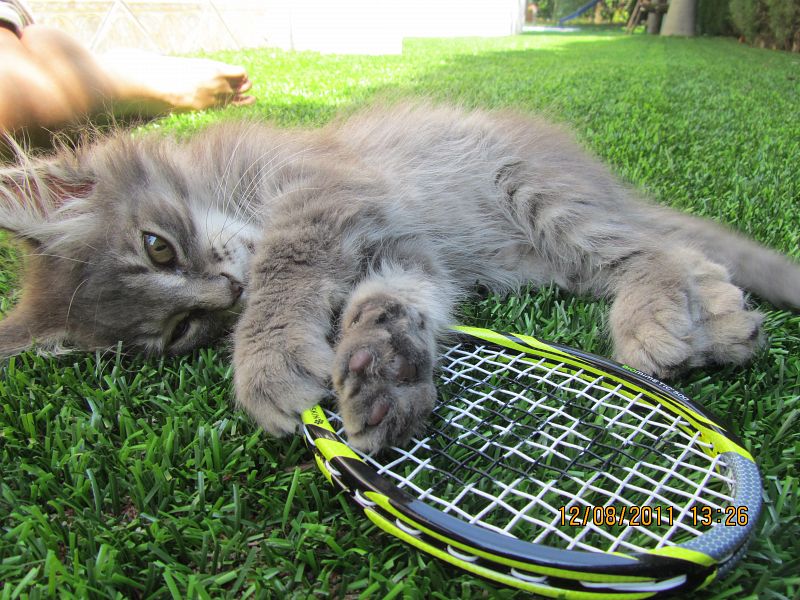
610 516
650 516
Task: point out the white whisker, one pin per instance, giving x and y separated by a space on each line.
58 256
71 300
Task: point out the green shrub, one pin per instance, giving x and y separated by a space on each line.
783 19
747 17
714 17
772 23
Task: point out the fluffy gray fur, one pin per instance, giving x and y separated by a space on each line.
353 243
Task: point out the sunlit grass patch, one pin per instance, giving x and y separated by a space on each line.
139 478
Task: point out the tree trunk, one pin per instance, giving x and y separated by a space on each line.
598 13
680 18
654 22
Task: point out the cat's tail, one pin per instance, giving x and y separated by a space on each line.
770 275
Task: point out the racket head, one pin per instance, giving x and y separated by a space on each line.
488 407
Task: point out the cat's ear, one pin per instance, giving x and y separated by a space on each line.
33 194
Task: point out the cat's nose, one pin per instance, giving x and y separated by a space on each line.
236 286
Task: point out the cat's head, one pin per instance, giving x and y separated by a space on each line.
125 240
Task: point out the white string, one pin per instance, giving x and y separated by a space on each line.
539 438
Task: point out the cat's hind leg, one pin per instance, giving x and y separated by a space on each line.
383 368
673 308
677 309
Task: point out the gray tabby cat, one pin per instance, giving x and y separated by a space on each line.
347 248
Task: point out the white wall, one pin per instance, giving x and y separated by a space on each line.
455 18
335 26
379 26
332 26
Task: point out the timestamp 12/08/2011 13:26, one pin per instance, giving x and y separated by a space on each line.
650 516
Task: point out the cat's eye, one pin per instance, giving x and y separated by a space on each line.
159 250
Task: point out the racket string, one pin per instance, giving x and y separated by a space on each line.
516 442
550 447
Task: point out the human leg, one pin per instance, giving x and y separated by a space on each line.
30 96
49 80
151 84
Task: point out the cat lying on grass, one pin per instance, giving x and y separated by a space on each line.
338 254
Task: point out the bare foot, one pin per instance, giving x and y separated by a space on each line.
150 84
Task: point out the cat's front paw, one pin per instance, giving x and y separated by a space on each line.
383 373
277 379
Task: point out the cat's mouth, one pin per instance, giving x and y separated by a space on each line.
238 306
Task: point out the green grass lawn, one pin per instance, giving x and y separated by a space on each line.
134 478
